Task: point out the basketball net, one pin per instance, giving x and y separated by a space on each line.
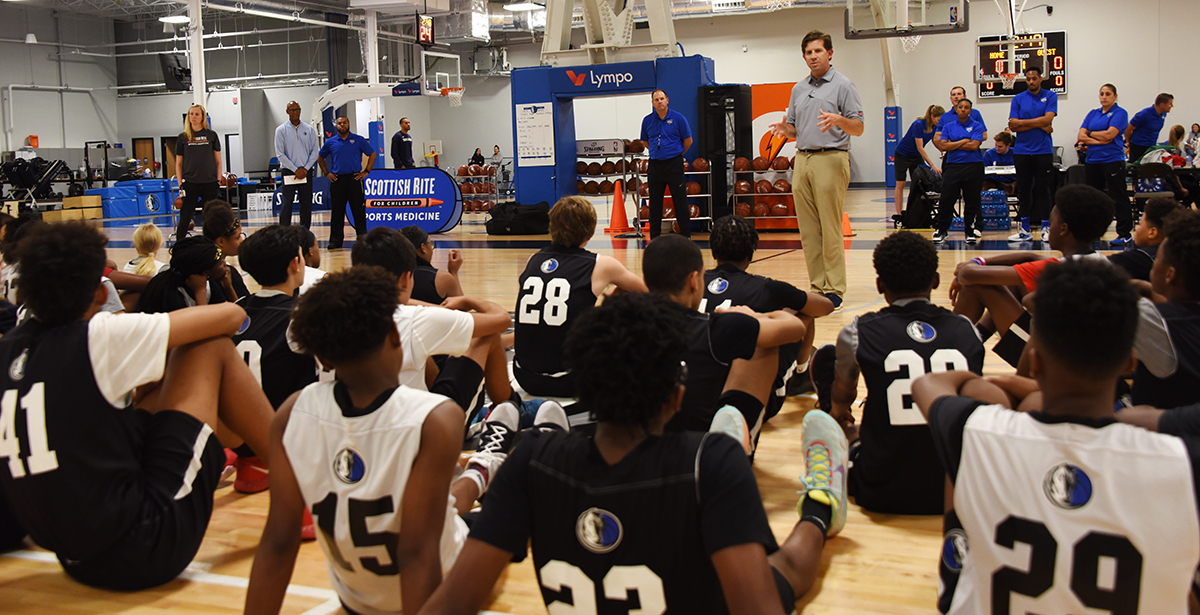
454 95
909 42
1008 80
775 5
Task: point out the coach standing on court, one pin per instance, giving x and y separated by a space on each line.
296 147
1030 116
344 153
668 136
402 147
825 111
1143 129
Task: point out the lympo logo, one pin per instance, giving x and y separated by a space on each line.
612 79
623 77
576 79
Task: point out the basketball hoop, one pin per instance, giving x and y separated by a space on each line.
775 5
1008 80
454 95
909 42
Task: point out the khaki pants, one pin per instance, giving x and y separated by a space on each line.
819 184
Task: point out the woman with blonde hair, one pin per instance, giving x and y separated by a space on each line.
147 240
910 153
197 166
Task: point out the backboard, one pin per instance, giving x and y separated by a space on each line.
439 70
897 18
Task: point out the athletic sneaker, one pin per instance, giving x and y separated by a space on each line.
825 456
1045 230
835 299
230 465
731 422
308 531
1022 233
551 417
252 475
820 372
1121 242
499 435
939 237
971 240
976 232
799 383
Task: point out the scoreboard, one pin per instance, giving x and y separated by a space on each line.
993 60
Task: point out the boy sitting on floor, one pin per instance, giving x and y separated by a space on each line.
1147 236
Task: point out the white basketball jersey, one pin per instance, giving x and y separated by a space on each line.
1070 518
352 472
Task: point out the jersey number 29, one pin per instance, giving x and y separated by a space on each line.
900 410
41 458
554 311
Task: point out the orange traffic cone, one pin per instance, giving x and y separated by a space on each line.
846 230
618 224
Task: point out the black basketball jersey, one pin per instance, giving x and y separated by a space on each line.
72 472
714 342
264 347
216 292
1183 386
425 283
556 288
648 523
897 469
726 286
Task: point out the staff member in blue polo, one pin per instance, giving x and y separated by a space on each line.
1103 132
344 169
296 147
958 93
1142 133
963 172
1030 116
668 136
910 151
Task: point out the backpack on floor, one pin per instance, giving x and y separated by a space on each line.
518 219
918 212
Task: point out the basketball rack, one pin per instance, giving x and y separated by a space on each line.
454 95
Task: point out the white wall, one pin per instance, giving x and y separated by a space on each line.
162 115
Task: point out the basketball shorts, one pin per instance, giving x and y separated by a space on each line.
181 466
460 379
544 385
904 165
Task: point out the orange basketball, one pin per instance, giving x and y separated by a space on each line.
636 146
700 164
489 170
228 180
475 169
606 187
634 184
486 206
468 188
463 172
643 164
593 168
780 163
760 164
692 187
791 206
644 212
668 211
742 187
476 205
592 187
620 166
741 164
779 209
742 209
761 210
686 167
644 190
694 210
608 168
792 162
763 186
783 185
579 186
178 203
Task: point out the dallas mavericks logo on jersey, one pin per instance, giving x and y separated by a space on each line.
550 265
921 331
1067 486
348 466
718 286
599 531
954 549
16 371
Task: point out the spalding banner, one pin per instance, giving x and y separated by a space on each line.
427 197
320 202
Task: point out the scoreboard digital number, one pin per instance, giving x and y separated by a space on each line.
993 60
425 30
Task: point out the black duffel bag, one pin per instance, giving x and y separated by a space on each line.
518 219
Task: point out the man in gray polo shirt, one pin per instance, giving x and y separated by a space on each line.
824 113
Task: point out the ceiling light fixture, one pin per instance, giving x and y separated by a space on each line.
175 19
524 6
31 39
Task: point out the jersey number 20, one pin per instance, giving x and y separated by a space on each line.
901 411
41 458
554 310
559 576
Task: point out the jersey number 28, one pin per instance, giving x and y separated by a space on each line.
41 458
554 311
900 410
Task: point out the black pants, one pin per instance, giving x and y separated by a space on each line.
289 195
1034 181
660 175
1136 152
964 179
194 197
1110 177
345 189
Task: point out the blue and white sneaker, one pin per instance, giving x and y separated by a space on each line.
1121 242
731 422
826 457
1045 230
1022 233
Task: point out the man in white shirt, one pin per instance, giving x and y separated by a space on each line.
296 147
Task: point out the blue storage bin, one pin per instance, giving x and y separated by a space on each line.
122 207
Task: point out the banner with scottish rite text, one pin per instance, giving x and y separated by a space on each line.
427 197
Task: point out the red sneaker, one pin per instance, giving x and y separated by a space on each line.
307 530
252 475
230 464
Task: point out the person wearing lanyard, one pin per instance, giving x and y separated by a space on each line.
402 157
1030 116
344 153
197 166
296 148
910 151
667 135
824 112
963 173
1143 129
1103 132
958 93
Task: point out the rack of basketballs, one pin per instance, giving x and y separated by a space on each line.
761 188
600 173
478 186
697 186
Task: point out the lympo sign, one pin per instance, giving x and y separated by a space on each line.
624 77
427 197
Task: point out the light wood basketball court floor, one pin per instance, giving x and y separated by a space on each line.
879 564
